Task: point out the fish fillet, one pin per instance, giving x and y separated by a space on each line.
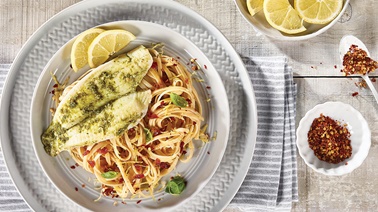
111 121
105 83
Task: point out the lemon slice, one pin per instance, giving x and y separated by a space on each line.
79 50
318 11
254 6
282 16
107 44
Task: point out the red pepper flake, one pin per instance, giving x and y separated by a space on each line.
162 104
152 115
312 66
73 167
159 199
164 165
321 63
208 87
86 152
335 66
76 164
184 152
373 79
205 66
123 202
83 185
76 189
182 146
157 162
174 64
356 61
91 163
107 191
154 65
55 85
354 94
155 131
139 176
103 151
186 81
71 66
346 163
208 152
329 140
139 201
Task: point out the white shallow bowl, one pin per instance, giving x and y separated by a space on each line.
198 171
261 25
357 126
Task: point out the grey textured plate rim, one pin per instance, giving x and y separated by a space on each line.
5 131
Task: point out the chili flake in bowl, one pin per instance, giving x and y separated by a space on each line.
333 138
329 140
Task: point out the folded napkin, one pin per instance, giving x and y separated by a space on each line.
271 183
10 199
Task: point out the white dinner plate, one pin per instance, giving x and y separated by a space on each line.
197 172
17 146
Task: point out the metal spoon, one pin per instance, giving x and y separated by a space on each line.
345 44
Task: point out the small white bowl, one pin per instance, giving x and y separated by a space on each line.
261 25
356 125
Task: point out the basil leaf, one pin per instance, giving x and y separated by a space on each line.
148 135
178 100
176 185
109 174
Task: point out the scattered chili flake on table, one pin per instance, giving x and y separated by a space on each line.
356 61
361 84
329 140
354 94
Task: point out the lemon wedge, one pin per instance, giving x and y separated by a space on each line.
282 16
318 11
254 6
107 44
79 50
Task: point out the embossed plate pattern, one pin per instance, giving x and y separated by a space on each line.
16 143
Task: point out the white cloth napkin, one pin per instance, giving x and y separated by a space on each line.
271 183
10 199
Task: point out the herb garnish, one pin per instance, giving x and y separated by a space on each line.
176 185
148 135
178 100
109 174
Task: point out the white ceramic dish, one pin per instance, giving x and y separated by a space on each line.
28 176
357 126
259 24
197 172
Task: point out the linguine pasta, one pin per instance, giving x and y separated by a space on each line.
133 164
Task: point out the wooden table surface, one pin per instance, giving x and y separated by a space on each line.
316 66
